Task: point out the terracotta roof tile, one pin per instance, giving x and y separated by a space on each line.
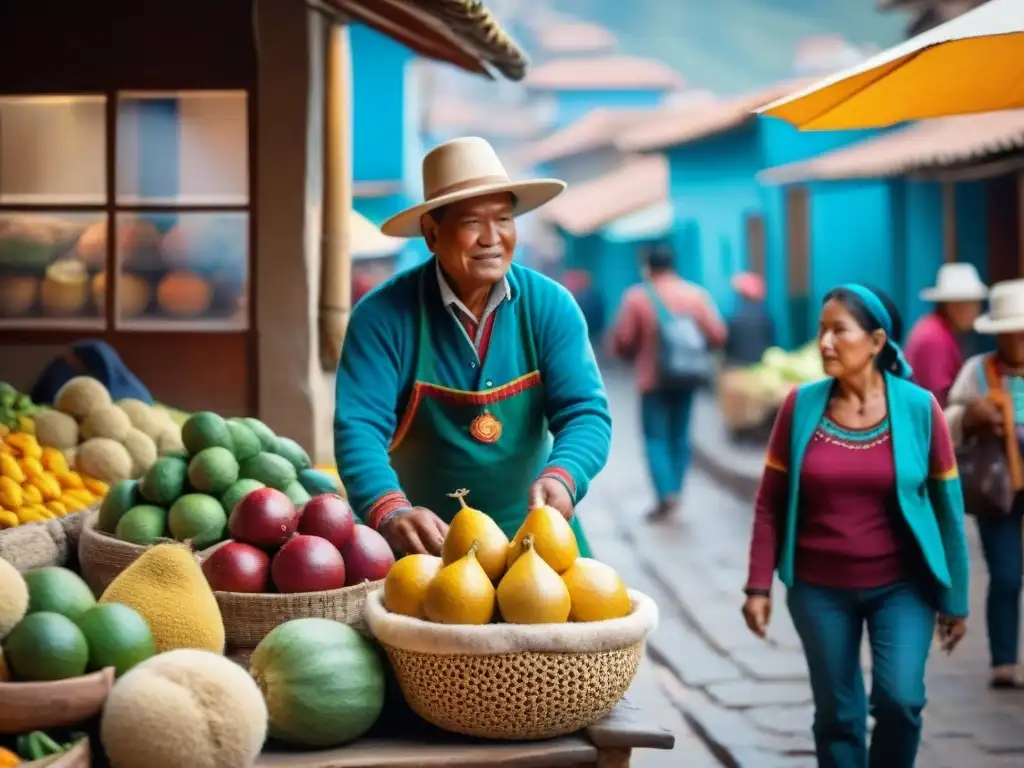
575 37
933 143
594 73
584 208
677 127
595 130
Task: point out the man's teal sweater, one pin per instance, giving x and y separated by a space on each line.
378 361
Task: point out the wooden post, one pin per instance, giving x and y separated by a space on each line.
336 261
949 249
1020 223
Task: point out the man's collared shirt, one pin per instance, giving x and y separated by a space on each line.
478 330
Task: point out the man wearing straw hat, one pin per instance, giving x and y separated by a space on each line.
468 371
932 348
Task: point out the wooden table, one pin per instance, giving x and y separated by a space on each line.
606 744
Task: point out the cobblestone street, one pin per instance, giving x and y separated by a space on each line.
730 698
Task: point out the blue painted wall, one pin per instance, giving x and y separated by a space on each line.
570 106
381 139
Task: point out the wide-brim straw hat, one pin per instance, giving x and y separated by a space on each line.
463 168
1006 309
956 282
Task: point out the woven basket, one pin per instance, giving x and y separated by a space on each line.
508 681
101 557
248 618
37 545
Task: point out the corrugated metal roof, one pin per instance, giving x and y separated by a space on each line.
638 183
596 73
595 130
575 37
936 143
675 127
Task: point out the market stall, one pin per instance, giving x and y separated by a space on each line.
222 571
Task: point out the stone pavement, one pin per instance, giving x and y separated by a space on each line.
748 699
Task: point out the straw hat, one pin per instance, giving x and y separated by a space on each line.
1006 309
463 168
956 282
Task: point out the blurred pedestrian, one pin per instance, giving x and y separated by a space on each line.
665 327
860 512
986 412
751 329
933 349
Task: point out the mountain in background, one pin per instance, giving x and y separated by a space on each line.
731 46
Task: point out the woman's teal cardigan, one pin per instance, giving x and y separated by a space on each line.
932 506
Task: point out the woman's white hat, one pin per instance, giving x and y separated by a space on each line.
463 168
956 282
1006 309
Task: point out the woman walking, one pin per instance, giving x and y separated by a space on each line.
986 401
860 513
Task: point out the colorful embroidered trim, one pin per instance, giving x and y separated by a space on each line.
389 502
854 439
422 389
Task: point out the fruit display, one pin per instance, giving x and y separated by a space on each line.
323 682
37 484
16 410
184 707
537 578
779 371
63 633
277 546
188 493
166 586
36 745
106 440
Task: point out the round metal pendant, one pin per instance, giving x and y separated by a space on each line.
485 428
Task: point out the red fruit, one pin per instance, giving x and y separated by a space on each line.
265 518
368 557
307 564
328 516
237 567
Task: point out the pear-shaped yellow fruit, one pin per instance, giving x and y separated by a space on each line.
597 591
405 587
461 593
471 525
553 539
531 592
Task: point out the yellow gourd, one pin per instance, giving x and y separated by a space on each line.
32 466
25 444
461 593
57 508
597 591
47 485
532 592
168 588
11 496
405 587
8 519
553 539
96 487
471 525
8 759
31 494
69 480
9 468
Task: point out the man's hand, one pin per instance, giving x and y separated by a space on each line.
983 415
551 492
416 532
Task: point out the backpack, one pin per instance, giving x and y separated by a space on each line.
684 360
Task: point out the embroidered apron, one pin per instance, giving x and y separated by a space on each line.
494 442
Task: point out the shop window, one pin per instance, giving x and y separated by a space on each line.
179 213
53 150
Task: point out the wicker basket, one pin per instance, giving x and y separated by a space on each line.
507 681
101 557
248 618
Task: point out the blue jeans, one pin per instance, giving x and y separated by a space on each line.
1004 556
666 425
830 622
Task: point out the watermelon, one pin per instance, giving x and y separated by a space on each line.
323 682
